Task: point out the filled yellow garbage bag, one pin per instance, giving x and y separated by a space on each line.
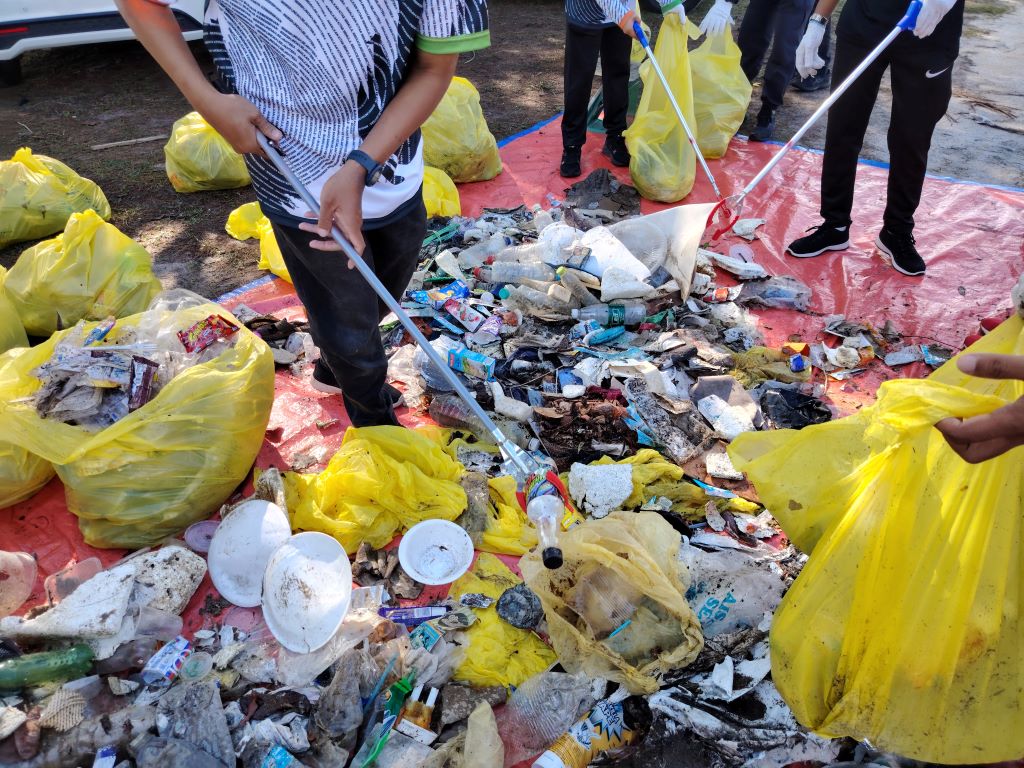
197 158
381 482
440 195
38 194
456 138
617 607
173 461
12 332
91 271
905 627
721 92
248 221
663 164
21 473
498 653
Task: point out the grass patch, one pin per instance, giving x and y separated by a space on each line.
987 7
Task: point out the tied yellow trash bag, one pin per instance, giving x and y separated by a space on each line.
498 653
38 194
12 332
440 195
617 607
166 465
663 164
383 480
905 627
721 92
89 272
248 221
197 158
456 138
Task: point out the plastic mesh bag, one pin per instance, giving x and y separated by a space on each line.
248 221
89 272
166 465
38 194
617 608
721 92
456 138
663 164
198 158
440 195
905 626
12 332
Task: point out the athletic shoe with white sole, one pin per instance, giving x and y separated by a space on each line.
823 237
902 252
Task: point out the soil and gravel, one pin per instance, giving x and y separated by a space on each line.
74 98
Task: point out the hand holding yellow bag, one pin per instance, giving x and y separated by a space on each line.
721 92
198 158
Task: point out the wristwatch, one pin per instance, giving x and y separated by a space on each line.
373 168
819 19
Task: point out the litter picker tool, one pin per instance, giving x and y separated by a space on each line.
733 207
534 478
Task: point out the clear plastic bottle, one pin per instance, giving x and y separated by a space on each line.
513 272
433 377
546 513
626 313
450 411
477 255
541 218
528 299
527 253
577 288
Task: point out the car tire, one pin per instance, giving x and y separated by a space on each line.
10 72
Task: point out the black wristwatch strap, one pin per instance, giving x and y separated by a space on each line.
373 168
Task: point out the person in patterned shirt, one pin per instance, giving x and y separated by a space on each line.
342 88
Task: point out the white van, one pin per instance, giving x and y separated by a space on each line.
30 25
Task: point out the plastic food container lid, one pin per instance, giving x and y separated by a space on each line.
435 552
241 548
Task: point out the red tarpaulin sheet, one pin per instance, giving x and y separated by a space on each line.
972 237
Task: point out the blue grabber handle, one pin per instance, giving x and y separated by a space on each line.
639 30
909 20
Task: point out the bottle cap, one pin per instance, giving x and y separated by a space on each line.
552 557
575 314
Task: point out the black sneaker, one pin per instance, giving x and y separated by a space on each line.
816 82
615 148
570 167
323 381
823 237
765 127
901 251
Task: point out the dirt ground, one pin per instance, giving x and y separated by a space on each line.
73 98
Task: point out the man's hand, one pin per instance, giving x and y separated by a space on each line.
808 62
626 24
341 204
931 14
237 120
718 19
992 434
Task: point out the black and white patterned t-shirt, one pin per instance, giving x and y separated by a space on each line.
323 71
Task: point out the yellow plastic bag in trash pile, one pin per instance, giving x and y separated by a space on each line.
508 531
617 607
91 271
440 195
905 628
382 481
21 473
760 364
12 332
38 194
663 164
498 653
721 92
248 221
197 158
456 138
164 466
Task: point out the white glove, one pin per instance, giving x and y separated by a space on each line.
679 11
718 18
931 14
808 62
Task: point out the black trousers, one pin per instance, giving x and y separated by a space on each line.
779 24
922 84
582 47
344 312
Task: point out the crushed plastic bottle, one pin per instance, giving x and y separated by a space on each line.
541 218
450 411
433 376
513 272
477 255
777 292
576 287
541 710
626 313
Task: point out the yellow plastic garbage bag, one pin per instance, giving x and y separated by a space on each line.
663 164
38 194
905 627
21 473
91 271
760 364
440 195
508 531
498 653
456 138
12 332
617 607
721 92
166 465
197 158
248 221
382 481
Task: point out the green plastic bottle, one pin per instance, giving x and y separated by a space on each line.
36 668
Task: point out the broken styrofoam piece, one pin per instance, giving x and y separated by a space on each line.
607 251
729 421
509 406
745 228
619 283
167 578
719 465
599 489
633 368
